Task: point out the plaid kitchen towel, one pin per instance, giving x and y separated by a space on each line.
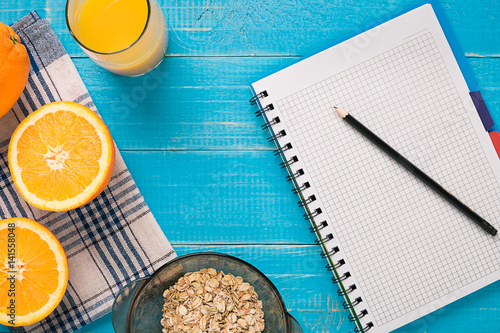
109 242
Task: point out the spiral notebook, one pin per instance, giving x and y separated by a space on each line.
397 250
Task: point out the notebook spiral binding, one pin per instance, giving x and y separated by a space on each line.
324 240
260 95
364 329
268 107
360 315
286 147
319 226
356 301
308 200
330 253
301 188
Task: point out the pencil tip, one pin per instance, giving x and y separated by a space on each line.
341 113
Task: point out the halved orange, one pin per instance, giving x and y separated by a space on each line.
61 156
33 272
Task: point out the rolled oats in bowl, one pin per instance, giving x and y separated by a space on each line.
211 301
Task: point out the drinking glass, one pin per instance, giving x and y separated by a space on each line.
138 58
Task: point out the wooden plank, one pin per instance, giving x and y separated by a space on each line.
278 27
186 103
226 197
298 273
202 103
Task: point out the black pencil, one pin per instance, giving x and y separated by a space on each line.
417 172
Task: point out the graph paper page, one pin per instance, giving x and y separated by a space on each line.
409 251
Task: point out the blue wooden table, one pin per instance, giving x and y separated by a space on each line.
197 153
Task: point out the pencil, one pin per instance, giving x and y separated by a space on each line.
416 172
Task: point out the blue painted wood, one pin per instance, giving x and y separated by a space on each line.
207 197
190 103
298 272
278 27
197 154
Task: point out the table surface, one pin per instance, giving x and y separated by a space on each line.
195 148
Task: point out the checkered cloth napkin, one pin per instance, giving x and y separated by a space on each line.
109 242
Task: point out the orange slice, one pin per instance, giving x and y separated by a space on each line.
33 272
61 156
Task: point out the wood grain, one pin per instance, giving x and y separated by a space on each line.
219 197
298 272
202 103
277 27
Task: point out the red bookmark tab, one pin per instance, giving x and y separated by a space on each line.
495 137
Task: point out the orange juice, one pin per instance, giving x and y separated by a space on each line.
111 25
127 37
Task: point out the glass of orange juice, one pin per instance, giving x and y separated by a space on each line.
126 37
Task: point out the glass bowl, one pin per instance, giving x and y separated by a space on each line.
138 306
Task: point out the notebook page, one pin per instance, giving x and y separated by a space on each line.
409 251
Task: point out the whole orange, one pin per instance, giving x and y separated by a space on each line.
14 68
